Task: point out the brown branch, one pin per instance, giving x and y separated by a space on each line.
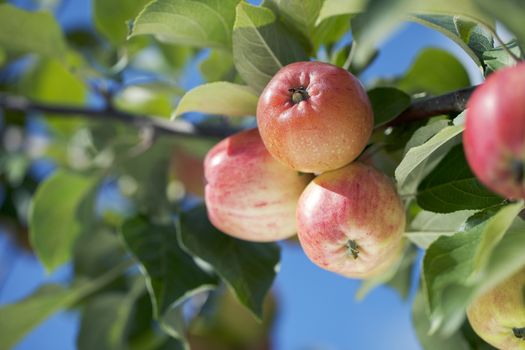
451 103
160 126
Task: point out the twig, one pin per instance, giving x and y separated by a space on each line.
454 102
159 125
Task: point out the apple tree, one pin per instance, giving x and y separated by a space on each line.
103 148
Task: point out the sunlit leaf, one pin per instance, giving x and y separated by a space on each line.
200 23
428 226
261 45
221 97
420 160
24 32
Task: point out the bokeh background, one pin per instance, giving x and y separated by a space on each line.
316 309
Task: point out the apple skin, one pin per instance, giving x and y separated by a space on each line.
495 314
325 131
356 204
494 136
249 194
188 168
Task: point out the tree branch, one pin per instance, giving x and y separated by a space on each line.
454 102
160 126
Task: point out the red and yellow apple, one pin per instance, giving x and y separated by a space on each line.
249 194
314 117
351 221
494 136
498 315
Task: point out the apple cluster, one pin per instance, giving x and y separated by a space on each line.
297 173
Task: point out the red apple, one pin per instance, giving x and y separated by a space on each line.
188 168
250 195
351 221
494 136
314 116
498 316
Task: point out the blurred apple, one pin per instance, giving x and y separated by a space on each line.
498 316
314 116
249 194
188 168
351 221
494 137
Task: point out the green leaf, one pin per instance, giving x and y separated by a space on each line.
62 208
105 319
445 191
150 99
340 7
421 323
387 104
249 268
261 45
171 274
221 97
3 57
381 17
434 71
473 38
16 320
111 17
498 57
428 226
420 160
218 66
199 23
508 12
425 133
23 32
330 31
456 267
300 15
96 252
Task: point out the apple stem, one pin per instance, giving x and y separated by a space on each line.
519 332
352 248
298 94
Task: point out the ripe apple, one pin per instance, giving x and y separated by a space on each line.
494 136
314 116
351 221
250 195
498 316
188 168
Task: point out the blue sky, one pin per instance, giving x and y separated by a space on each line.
317 309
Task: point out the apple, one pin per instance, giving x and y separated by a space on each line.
250 195
351 221
314 116
188 168
494 136
498 315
